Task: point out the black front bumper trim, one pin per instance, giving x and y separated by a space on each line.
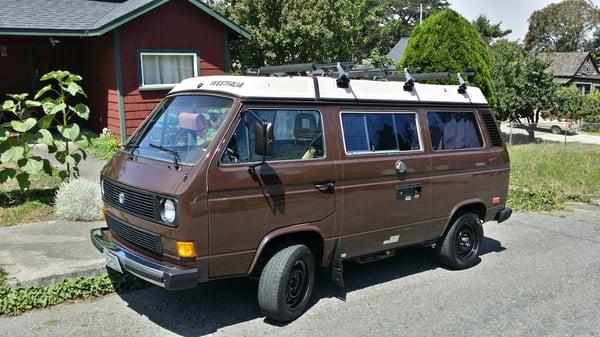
158 274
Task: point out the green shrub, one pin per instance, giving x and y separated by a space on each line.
19 299
104 147
79 200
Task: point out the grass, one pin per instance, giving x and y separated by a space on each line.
545 176
34 205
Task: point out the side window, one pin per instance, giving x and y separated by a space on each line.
298 136
380 132
454 130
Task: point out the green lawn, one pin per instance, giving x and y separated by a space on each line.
35 205
545 176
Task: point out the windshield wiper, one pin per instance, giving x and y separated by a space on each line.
173 152
133 147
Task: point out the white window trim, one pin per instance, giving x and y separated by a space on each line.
163 85
384 152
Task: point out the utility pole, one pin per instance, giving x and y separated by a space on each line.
420 13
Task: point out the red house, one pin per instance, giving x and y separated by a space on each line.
129 52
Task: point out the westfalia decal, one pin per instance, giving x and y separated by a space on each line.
233 84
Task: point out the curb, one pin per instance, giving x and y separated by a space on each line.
96 269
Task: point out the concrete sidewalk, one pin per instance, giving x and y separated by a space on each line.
45 252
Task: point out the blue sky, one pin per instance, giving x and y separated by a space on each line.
513 13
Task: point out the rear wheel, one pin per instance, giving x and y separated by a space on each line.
459 249
556 130
286 283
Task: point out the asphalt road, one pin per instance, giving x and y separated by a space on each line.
539 275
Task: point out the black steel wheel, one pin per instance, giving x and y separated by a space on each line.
286 283
459 248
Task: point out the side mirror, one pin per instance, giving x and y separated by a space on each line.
263 138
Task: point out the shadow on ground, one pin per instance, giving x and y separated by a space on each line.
217 304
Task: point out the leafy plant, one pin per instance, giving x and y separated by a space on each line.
15 138
104 147
14 301
63 88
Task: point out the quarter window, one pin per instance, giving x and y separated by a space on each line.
298 136
380 132
454 130
163 69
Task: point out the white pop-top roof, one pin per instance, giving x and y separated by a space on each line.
303 88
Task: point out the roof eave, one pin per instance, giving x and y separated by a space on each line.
121 21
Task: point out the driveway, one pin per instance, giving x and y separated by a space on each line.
539 275
547 135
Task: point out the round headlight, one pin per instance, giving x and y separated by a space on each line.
167 212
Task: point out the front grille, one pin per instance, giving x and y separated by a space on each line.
492 128
142 204
136 236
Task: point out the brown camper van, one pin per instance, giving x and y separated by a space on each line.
276 176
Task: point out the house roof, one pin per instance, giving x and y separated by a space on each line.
398 50
326 88
565 64
83 17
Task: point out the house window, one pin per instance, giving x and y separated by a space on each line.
584 88
164 69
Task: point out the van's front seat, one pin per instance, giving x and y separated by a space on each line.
305 131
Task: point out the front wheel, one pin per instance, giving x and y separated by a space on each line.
286 283
459 249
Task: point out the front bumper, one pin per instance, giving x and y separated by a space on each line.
158 274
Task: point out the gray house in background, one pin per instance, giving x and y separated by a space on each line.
398 51
578 69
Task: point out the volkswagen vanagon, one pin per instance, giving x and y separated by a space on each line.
277 176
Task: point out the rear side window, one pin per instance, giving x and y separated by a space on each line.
298 136
380 132
454 130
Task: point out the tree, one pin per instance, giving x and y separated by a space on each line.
569 103
562 27
446 41
489 32
294 31
389 20
523 86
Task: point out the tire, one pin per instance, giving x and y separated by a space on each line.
286 284
556 130
463 253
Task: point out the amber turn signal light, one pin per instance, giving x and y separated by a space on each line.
186 249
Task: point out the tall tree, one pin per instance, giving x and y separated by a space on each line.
523 86
389 20
562 27
489 32
295 31
446 41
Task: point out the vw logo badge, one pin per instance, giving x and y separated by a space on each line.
121 198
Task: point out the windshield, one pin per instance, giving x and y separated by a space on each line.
182 127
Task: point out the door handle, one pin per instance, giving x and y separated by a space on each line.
327 187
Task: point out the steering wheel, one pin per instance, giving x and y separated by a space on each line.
233 156
313 141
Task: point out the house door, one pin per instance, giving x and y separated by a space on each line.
46 58
294 186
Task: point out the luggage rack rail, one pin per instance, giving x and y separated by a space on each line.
346 71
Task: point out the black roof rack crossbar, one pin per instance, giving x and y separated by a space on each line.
300 68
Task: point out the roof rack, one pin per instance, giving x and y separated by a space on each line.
345 71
